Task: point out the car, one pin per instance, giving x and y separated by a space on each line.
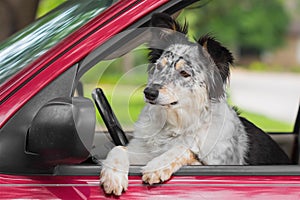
50 146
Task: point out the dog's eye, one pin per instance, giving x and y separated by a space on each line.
184 74
158 66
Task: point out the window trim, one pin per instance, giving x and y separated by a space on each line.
208 170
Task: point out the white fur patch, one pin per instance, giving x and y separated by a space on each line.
114 173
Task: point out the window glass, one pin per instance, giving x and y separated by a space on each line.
32 42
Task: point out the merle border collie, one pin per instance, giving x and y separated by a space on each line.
186 120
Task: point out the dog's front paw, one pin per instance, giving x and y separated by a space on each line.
114 173
154 172
152 177
113 181
162 167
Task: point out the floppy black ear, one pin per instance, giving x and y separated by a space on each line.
221 55
165 31
162 20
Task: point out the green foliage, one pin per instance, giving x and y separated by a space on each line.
253 24
46 5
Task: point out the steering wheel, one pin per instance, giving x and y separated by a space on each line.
111 122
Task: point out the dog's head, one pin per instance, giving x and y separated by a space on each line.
183 71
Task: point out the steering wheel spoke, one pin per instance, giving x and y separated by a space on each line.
110 120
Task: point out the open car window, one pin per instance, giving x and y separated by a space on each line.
121 72
120 69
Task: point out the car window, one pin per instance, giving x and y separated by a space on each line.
28 45
264 93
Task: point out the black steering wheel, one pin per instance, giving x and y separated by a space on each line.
111 122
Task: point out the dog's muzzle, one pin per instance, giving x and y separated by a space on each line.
151 95
152 92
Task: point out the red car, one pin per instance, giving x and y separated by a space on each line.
49 145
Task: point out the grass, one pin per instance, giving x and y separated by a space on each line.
263 67
267 124
126 101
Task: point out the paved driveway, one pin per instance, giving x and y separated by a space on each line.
275 95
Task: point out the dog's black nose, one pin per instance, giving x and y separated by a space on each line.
151 93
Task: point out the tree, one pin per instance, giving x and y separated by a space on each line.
248 24
16 14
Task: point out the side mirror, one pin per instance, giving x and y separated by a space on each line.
62 132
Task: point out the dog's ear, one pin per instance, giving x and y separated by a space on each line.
220 55
162 20
165 31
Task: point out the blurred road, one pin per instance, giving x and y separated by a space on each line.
276 95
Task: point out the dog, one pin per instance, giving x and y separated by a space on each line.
186 119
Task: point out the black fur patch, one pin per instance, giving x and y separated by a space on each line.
163 20
262 149
221 55
171 32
